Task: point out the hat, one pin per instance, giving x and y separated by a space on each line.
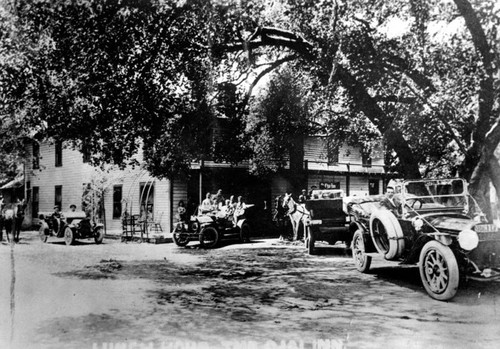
56 206
72 205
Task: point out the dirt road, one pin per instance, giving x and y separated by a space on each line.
265 294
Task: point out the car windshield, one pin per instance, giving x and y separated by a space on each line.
449 193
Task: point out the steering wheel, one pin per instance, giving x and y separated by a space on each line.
413 204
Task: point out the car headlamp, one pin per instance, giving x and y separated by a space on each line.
417 223
468 239
194 226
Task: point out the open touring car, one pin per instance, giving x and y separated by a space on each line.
440 228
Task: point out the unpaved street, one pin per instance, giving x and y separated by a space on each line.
265 294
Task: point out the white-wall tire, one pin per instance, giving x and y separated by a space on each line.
387 234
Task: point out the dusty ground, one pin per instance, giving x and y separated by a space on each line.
266 294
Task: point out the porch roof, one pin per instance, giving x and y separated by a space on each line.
15 183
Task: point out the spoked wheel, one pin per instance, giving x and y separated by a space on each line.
439 271
361 260
209 237
180 239
245 232
69 237
380 235
43 232
99 235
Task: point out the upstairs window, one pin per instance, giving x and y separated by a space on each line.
58 147
36 155
333 156
366 159
85 154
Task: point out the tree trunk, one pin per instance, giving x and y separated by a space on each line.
478 160
393 136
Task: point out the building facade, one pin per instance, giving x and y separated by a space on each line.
58 175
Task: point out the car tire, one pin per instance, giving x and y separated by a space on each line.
387 234
99 235
361 260
245 232
439 271
180 239
209 237
43 232
310 241
69 237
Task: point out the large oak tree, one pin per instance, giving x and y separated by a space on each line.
112 76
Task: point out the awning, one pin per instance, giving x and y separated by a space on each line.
15 183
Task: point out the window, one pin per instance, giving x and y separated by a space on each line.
366 159
117 201
58 146
34 203
333 156
36 155
58 196
85 154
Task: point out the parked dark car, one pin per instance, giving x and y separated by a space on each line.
70 226
440 228
328 220
210 228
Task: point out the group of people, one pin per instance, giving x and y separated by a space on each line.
223 208
216 204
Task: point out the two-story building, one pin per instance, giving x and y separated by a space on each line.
57 175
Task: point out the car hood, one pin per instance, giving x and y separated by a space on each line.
453 223
204 219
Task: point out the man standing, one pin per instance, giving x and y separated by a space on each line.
21 207
303 197
390 203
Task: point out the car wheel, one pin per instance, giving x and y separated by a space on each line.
209 237
387 234
43 232
99 235
245 232
69 237
310 241
361 260
439 271
180 239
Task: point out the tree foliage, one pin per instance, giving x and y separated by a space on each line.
112 76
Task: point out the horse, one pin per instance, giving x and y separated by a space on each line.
11 217
297 213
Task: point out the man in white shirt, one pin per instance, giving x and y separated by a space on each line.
390 203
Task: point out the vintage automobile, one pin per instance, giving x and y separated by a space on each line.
328 220
211 227
70 226
440 228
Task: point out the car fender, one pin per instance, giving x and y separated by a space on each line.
369 246
240 223
443 238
